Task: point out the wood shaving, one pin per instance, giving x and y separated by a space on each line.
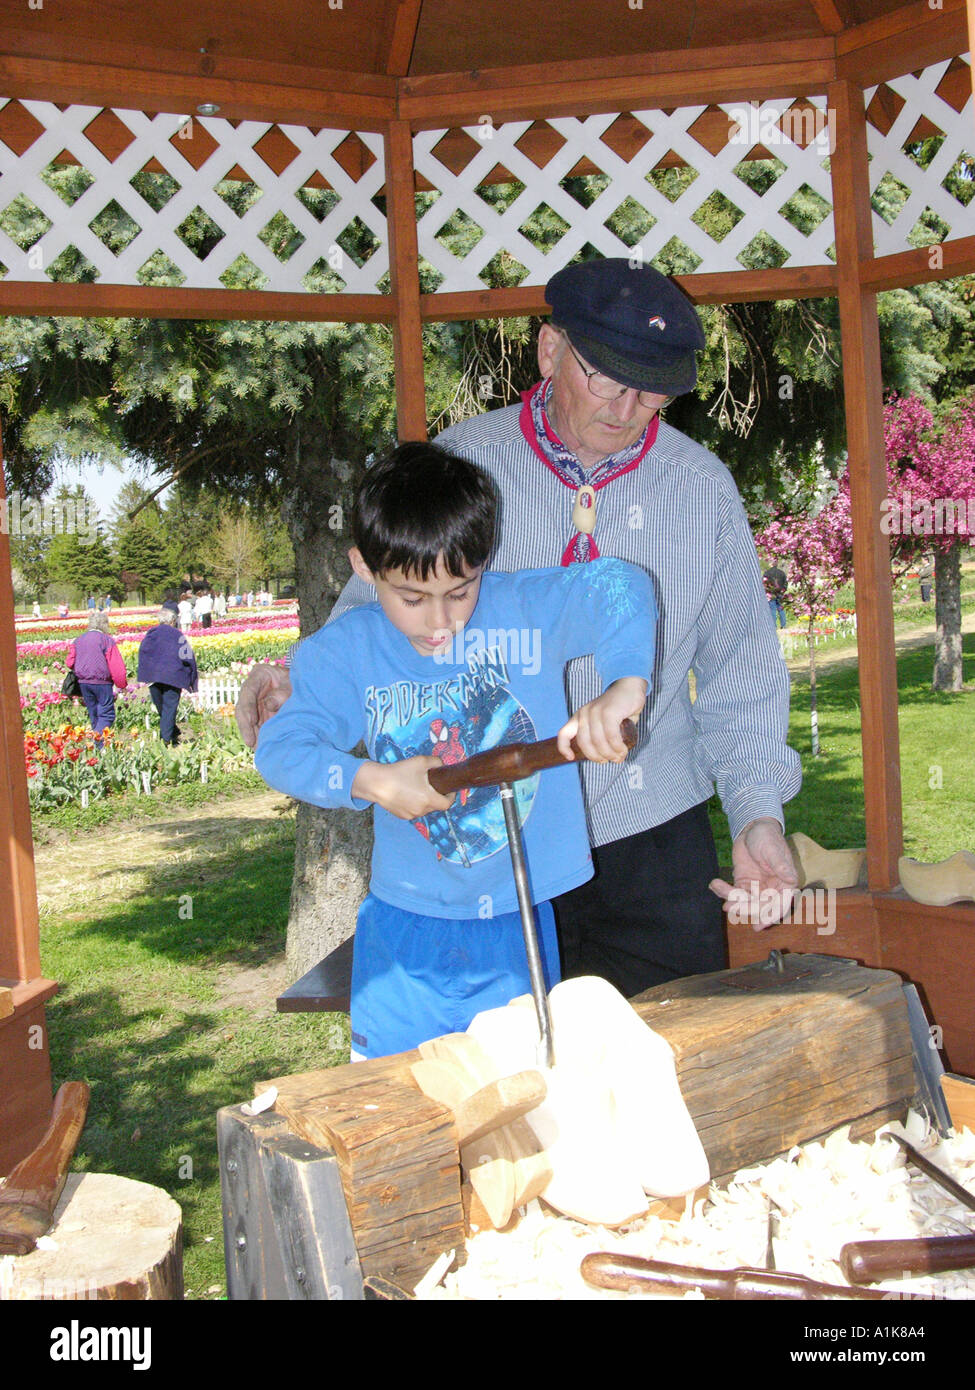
825 1194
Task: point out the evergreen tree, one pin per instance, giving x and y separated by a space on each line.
142 552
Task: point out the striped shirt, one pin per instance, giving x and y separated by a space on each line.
678 516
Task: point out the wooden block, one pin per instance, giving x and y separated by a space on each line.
489 1165
443 1082
252 1253
499 1103
6 1001
959 1092
287 1233
397 1158
115 1239
304 1186
464 1052
769 1058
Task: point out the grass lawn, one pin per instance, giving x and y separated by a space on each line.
152 1013
937 761
167 938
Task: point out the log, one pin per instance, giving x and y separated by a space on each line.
774 1055
114 1239
766 1056
397 1160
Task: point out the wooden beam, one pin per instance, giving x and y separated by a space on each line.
943 261
905 39
322 100
740 72
970 27
863 392
403 23
411 406
829 16
143 301
720 287
20 957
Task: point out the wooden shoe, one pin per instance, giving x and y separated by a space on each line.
938 885
831 868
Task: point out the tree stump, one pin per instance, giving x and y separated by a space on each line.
116 1239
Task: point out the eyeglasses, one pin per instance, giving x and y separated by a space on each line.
609 390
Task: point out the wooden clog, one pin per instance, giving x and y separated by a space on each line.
938 885
828 868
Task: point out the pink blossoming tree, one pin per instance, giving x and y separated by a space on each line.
819 551
931 508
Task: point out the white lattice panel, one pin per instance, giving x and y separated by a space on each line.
669 134
234 149
924 187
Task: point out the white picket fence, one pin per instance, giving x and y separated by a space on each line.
215 691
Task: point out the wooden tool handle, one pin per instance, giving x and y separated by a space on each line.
31 1193
633 1274
510 762
867 1261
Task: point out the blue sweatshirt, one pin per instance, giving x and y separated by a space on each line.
500 681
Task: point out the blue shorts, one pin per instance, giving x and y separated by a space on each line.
416 977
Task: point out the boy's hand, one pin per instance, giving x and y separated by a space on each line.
596 726
401 788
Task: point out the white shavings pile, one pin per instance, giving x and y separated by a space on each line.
822 1196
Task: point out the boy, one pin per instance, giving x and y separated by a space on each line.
447 662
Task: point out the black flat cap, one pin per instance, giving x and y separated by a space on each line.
633 323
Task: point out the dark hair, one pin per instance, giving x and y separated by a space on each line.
420 503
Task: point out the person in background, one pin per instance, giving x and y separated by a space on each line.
171 602
185 610
776 584
36 610
63 610
108 603
98 664
168 667
203 608
220 605
90 603
925 576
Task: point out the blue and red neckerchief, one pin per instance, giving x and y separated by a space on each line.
541 437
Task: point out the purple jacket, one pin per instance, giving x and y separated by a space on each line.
166 657
95 658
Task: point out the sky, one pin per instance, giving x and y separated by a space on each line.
105 485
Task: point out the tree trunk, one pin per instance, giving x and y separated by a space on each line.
333 848
947 617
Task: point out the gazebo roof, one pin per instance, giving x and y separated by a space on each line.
371 60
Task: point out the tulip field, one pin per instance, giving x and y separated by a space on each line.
67 765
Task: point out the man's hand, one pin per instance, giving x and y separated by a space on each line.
263 693
596 726
765 876
402 788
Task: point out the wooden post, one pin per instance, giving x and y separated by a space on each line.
411 405
25 1066
863 391
971 43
